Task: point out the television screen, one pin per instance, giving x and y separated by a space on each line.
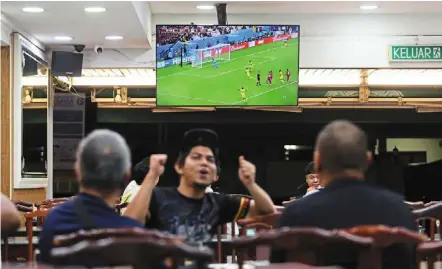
234 65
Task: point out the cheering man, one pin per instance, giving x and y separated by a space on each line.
188 210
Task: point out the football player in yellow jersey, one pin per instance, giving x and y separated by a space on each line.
243 91
286 43
248 72
281 76
250 65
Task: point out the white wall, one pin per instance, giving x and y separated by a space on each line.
340 41
430 146
327 40
5 32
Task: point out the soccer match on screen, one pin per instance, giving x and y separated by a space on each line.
234 65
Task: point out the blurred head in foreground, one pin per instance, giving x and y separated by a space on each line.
103 164
341 152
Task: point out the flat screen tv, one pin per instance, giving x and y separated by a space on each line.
222 66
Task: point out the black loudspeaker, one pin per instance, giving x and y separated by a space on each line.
221 13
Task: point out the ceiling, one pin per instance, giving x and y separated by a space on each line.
287 7
68 18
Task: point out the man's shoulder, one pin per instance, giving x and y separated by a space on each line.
129 222
388 195
60 210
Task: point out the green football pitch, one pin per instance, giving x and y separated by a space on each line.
209 86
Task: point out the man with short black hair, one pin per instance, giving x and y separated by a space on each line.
188 210
312 180
102 166
341 158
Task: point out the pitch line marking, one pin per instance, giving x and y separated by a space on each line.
259 94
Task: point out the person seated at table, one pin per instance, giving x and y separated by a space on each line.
311 180
102 166
341 158
188 210
10 217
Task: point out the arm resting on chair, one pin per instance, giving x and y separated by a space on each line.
10 218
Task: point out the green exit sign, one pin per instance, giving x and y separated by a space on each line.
415 53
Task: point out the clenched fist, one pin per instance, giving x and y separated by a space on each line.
157 163
246 171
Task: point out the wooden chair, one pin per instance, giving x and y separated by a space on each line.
51 202
384 236
432 251
260 252
308 245
287 203
94 235
433 212
141 253
40 214
415 205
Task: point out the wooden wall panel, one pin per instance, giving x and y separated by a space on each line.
29 195
5 121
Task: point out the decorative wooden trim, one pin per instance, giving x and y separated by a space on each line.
5 119
17 44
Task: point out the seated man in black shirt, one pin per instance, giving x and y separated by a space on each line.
188 210
341 158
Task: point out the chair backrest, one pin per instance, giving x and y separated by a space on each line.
304 244
415 205
40 214
384 236
270 219
141 252
52 202
94 235
432 211
23 203
433 248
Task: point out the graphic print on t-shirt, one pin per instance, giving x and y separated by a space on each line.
196 220
193 219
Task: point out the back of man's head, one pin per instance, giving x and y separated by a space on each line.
342 146
103 161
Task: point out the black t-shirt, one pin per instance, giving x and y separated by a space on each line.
194 219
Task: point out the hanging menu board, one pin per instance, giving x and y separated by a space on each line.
69 125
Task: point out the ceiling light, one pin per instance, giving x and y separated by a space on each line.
205 7
114 37
368 7
63 38
33 9
95 9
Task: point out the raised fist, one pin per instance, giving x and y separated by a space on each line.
246 171
157 164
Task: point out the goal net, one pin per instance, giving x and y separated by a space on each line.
219 52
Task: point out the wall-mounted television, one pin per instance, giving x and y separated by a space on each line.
222 66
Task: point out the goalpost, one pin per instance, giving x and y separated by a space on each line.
219 52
